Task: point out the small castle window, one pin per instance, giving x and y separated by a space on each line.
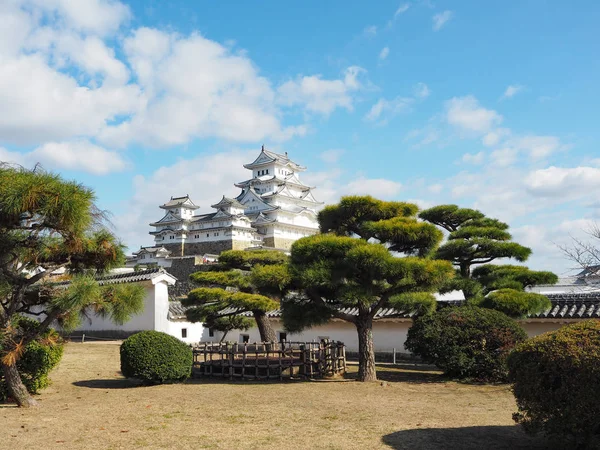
211 332
267 171
184 333
244 338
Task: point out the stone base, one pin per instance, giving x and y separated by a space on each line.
277 242
175 249
200 248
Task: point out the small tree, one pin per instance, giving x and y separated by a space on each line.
243 281
47 223
475 240
230 323
338 272
585 253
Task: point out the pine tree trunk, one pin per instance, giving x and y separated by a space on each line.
465 270
267 333
366 350
225 333
16 388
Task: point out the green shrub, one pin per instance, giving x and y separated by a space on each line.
155 358
466 342
556 381
37 360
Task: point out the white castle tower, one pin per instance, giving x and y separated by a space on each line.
273 210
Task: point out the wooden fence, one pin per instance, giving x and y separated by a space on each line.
269 360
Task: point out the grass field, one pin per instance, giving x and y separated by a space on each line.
90 405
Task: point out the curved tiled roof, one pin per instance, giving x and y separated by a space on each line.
572 306
128 277
564 306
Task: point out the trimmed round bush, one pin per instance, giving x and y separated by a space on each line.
556 382
37 360
466 342
155 358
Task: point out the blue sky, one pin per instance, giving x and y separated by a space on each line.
490 105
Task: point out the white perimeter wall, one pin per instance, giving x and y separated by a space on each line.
142 321
153 317
386 335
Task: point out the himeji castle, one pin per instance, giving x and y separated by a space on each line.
273 209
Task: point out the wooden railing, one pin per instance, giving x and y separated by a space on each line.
269 360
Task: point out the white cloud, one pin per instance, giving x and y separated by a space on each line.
476 158
389 107
504 156
332 156
512 90
421 90
538 146
435 188
70 155
466 114
439 20
562 182
383 54
321 96
377 187
370 31
493 137
63 108
95 16
155 88
401 9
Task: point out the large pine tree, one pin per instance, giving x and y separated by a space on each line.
47 223
345 274
473 242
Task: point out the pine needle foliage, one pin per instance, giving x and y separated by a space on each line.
475 240
351 267
243 282
48 223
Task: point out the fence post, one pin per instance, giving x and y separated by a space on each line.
394 355
83 338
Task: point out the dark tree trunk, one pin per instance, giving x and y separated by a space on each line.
16 388
465 270
224 336
267 333
366 350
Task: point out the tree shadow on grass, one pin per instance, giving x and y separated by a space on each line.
406 373
120 383
485 437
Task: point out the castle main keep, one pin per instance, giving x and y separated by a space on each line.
273 209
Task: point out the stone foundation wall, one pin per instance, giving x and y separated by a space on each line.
200 248
277 242
182 268
175 249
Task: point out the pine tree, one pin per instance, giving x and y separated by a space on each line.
243 281
475 240
344 274
47 223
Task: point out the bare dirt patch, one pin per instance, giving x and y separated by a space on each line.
90 405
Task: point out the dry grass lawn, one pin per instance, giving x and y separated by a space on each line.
90 405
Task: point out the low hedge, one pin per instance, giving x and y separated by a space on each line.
466 342
155 358
37 360
556 382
